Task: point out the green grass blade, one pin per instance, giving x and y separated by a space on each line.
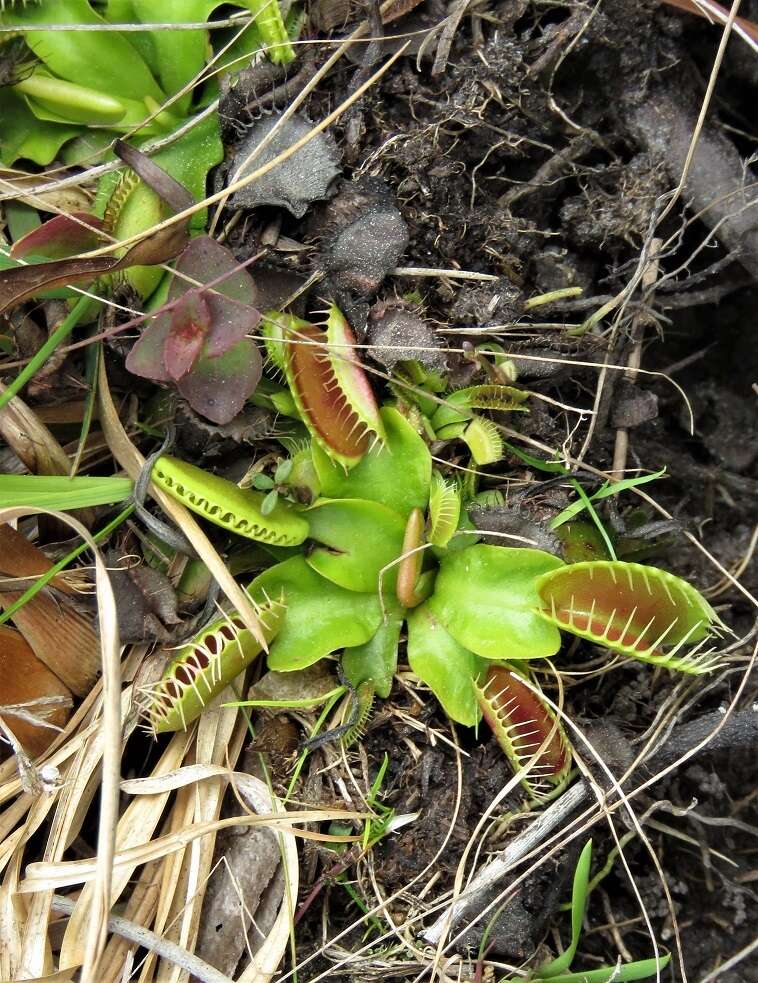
607 491
579 896
61 494
92 358
595 518
644 969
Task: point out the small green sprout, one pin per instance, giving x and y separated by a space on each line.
558 969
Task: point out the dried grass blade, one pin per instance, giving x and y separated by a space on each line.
268 956
110 734
215 733
50 876
30 439
134 829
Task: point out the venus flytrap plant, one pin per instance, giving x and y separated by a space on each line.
385 548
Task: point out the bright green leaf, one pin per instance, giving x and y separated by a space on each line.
579 896
360 538
447 668
644 969
321 617
103 60
396 474
376 659
486 597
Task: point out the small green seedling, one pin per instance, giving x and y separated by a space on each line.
558 969
387 542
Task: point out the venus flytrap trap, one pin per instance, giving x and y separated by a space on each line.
330 389
384 544
203 668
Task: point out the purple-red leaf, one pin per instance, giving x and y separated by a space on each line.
200 343
176 196
61 237
21 282
230 323
219 387
205 260
190 322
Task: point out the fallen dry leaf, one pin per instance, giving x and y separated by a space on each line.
61 637
25 680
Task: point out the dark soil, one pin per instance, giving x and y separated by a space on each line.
532 157
537 153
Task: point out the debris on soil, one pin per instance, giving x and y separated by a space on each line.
146 601
295 183
364 235
397 334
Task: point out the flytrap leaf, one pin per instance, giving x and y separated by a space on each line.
484 441
204 668
376 659
200 343
444 510
522 723
227 505
459 404
331 391
321 617
486 598
639 611
360 538
447 668
396 473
